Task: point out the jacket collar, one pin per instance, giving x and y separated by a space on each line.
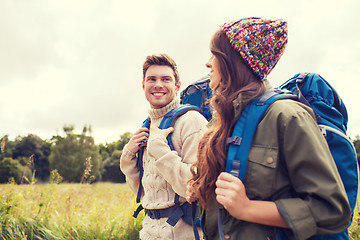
239 103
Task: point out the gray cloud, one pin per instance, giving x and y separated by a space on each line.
79 62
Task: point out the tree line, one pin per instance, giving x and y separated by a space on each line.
69 158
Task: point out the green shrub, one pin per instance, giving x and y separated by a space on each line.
10 168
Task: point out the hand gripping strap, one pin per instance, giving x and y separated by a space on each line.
183 210
243 133
167 121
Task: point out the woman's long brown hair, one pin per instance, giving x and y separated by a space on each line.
236 78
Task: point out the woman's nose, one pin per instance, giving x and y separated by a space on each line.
208 64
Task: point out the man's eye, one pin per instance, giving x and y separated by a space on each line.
167 79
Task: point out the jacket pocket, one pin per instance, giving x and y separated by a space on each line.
261 172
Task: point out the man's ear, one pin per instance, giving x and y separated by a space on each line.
143 84
178 85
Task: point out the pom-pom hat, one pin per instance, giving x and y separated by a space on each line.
260 42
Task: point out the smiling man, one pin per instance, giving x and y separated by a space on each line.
165 172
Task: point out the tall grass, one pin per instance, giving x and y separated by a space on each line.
354 229
68 211
77 211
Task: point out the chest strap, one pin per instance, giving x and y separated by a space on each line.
173 213
188 212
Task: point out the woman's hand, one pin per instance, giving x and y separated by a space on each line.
230 192
190 192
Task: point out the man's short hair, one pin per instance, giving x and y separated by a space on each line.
161 59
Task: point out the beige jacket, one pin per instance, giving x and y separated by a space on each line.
165 171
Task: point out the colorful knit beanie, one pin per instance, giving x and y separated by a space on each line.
260 42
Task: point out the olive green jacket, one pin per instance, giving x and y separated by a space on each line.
289 163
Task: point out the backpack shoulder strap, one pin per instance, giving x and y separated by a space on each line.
242 135
139 165
139 162
170 118
169 121
244 130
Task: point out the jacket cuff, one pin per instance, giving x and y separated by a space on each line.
298 217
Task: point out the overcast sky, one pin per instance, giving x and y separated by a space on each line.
80 62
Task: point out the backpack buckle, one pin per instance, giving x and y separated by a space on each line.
236 140
153 213
300 79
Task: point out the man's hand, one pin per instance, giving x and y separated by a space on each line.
163 133
140 137
158 145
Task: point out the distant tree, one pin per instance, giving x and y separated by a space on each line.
124 139
33 146
103 150
68 154
10 168
111 154
2 144
112 172
357 147
7 147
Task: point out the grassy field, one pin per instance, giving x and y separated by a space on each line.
354 230
68 211
76 211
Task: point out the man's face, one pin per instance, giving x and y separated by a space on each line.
159 85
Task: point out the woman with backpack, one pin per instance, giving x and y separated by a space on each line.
292 189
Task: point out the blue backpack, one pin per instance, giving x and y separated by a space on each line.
312 90
198 94
332 120
188 212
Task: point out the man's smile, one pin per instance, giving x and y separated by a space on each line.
158 94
